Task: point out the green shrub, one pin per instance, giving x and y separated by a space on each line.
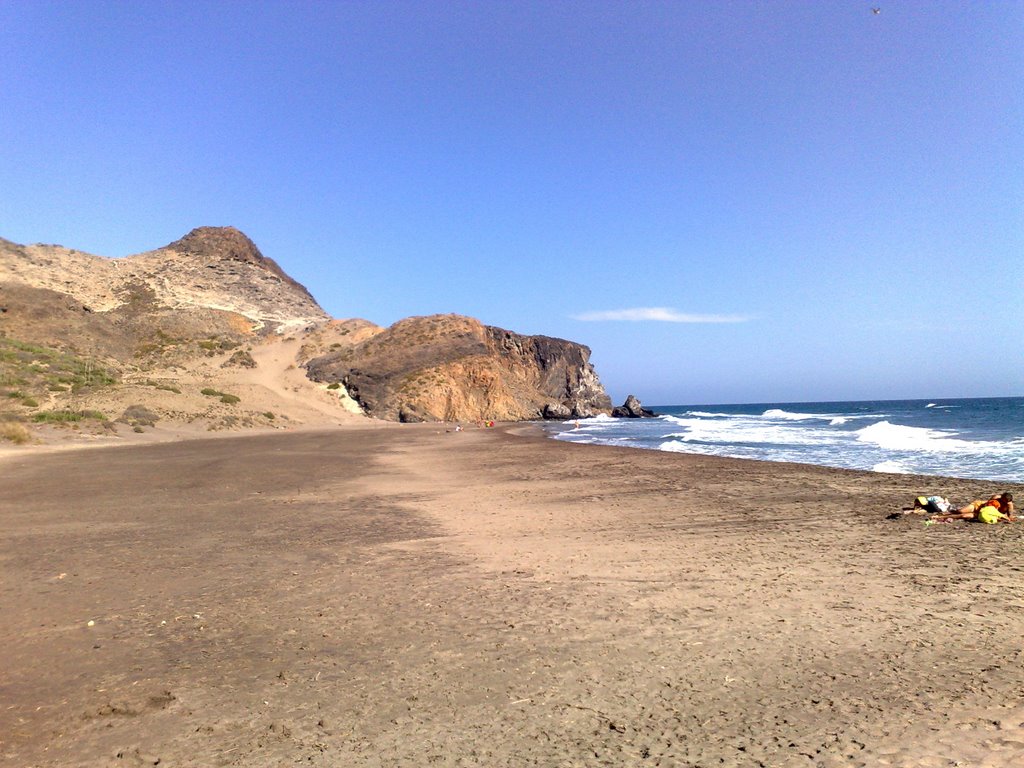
58 417
269 415
29 402
334 385
224 397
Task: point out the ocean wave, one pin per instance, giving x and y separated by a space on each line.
772 414
896 437
778 413
891 466
677 446
730 432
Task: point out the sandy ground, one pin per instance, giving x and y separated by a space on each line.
410 596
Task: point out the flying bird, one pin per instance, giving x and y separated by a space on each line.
876 11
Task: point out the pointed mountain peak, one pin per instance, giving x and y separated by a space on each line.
218 242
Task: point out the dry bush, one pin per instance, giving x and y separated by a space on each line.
14 432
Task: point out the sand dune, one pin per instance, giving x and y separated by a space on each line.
405 595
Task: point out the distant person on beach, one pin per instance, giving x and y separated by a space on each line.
998 509
930 505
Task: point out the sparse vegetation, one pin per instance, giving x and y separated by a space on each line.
31 369
269 415
334 385
163 387
138 416
240 359
162 342
14 432
224 397
66 416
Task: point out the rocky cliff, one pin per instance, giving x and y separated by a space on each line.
454 368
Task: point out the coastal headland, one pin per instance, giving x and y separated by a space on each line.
409 595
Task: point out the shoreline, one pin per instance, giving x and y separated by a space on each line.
369 597
124 439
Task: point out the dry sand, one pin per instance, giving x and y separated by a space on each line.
410 596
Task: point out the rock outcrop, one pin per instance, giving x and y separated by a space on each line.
452 368
631 409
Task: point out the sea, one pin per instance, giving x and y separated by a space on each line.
980 438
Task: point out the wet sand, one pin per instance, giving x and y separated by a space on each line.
410 596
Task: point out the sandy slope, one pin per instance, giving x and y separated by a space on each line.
413 596
275 395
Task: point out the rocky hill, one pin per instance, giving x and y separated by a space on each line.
208 331
451 368
211 268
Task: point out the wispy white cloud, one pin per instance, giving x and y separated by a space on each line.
658 315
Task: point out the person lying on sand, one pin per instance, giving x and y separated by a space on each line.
998 509
930 505
924 505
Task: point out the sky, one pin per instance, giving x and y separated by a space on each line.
728 202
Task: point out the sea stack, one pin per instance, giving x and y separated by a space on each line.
631 409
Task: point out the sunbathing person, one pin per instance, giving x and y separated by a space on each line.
998 509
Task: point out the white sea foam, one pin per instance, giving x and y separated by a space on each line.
753 433
778 413
837 421
594 423
896 437
676 446
892 466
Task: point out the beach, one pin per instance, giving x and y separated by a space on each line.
411 595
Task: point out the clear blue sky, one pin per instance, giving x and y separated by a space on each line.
727 201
